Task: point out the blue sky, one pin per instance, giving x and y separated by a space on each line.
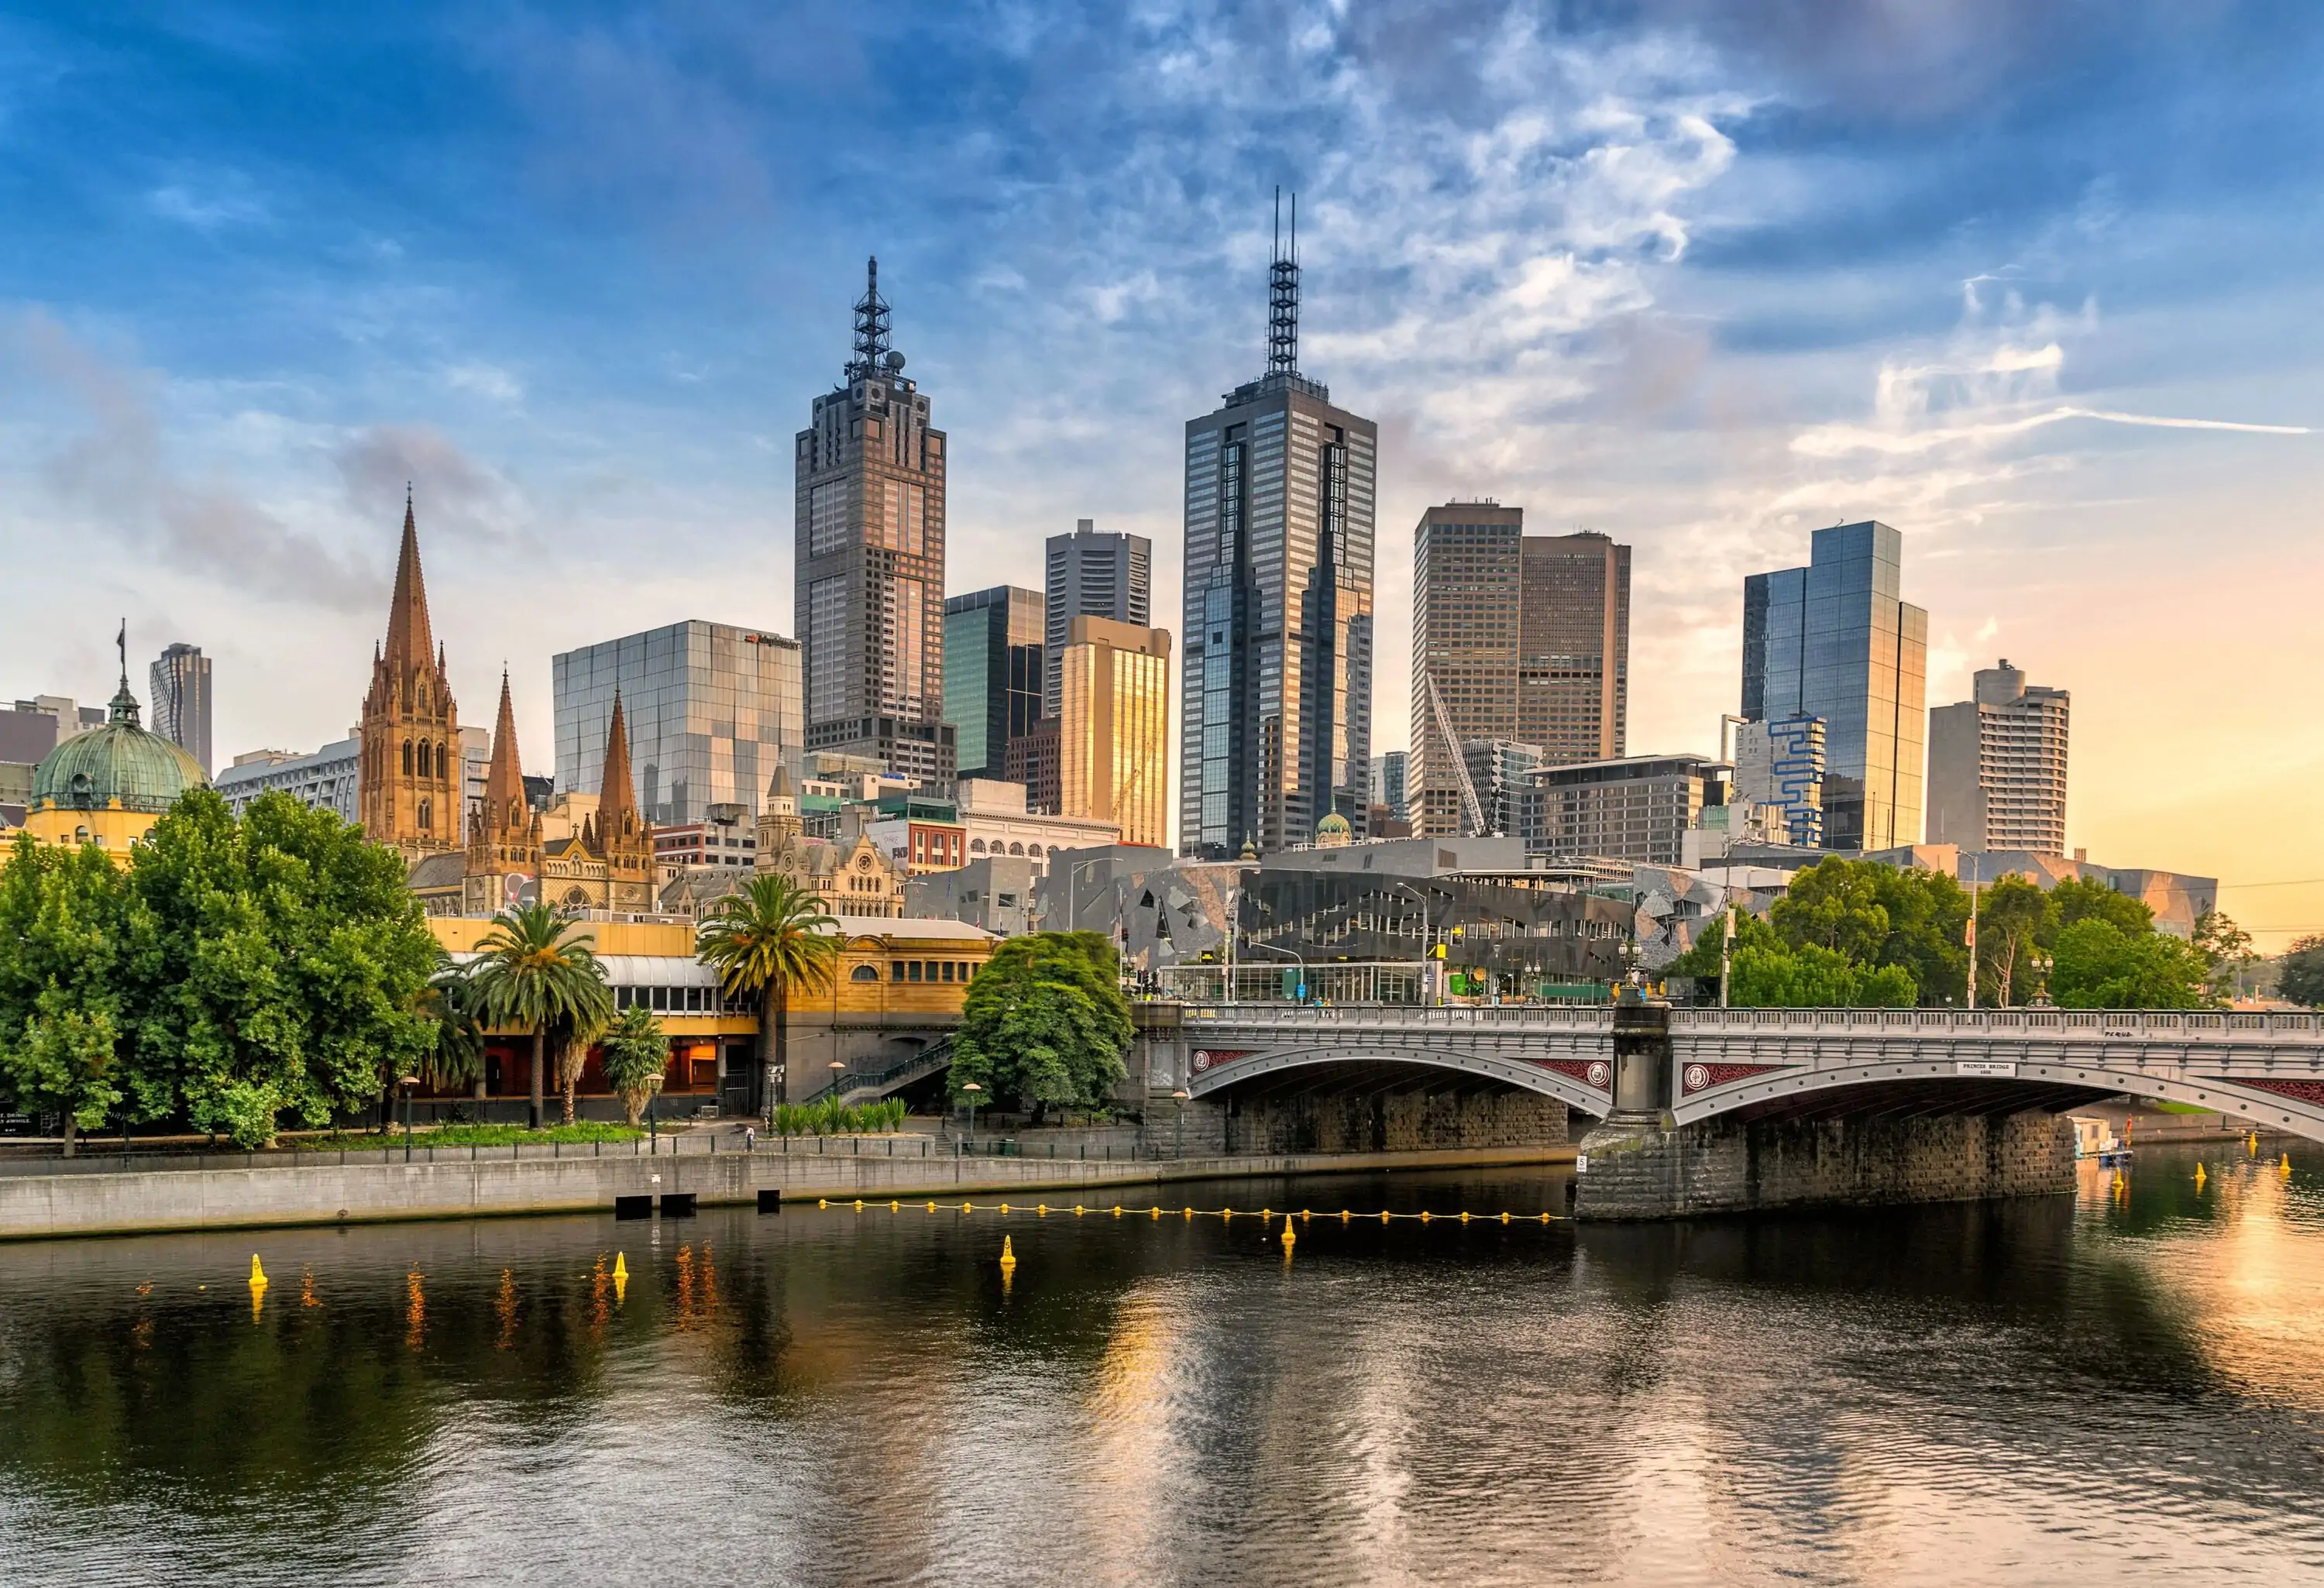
1705 276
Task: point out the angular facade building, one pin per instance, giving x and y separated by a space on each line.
1997 766
1113 728
869 561
1275 723
1836 640
711 709
180 680
993 649
1092 575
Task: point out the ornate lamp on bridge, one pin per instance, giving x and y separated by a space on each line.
2039 963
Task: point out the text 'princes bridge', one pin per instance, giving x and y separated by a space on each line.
1703 1110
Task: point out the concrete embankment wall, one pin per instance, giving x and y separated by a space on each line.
120 1203
1636 1169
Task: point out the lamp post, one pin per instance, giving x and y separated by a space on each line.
1178 1152
971 1091
837 1070
1427 961
1725 952
408 1083
2040 964
1295 953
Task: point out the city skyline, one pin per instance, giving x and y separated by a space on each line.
1797 296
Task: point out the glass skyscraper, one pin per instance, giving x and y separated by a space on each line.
993 652
710 709
182 700
1091 574
1835 640
1275 729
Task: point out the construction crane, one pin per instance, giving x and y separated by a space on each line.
1471 808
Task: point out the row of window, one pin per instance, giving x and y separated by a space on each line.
669 1000
917 970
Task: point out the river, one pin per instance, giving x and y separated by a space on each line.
2128 1384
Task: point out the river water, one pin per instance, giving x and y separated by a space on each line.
2128 1384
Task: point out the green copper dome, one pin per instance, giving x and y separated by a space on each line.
118 761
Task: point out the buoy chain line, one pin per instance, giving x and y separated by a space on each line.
1156 1211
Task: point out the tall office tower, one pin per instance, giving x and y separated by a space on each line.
870 563
993 647
1277 710
411 781
1113 728
182 700
1997 766
1525 638
1389 782
1782 764
1835 640
1090 575
709 711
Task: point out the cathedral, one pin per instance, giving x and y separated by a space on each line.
578 855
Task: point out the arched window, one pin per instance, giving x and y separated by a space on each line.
426 814
1016 849
865 973
427 763
406 758
443 761
1034 850
976 845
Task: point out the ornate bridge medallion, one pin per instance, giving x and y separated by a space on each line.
1209 1058
1594 1073
1701 1077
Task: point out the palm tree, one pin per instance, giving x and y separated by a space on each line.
455 1050
570 1040
637 1056
531 975
763 942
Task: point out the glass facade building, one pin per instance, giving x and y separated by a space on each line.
1836 641
710 709
1113 728
1092 574
994 643
180 680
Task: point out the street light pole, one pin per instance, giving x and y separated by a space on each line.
1178 1152
1725 952
971 1091
408 1083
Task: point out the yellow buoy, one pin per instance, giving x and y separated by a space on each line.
1266 1214
621 1266
1190 1212
821 1202
931 1207
1464 1215
1117 1210
1008 1253
1345 1215
1384 1215
1424 1215
2199 1176
968 1207
893 1206
1226 1212
1505 1217
257 1273
2285 1168
1544 1218
1156 1210
1078 1207
1305 1215
1004 1208
1289 1237
2250 1144
859 1204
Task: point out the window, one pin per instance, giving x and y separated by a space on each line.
406 758
947 971
426 815
895 970
917 967
865 973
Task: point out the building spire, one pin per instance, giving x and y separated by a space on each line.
124 704
1282 295
617 795
411 642
871 327
504 782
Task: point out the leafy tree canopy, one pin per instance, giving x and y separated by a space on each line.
2101 966
635 1052
2300 974
63 922
1045 1023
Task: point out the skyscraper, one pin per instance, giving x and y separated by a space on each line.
1997 766
1835 640
868 552
1523 638
1113 728
993 649
1276 721
1092 575
182 700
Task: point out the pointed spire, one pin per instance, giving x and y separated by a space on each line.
617 795
410 640
872 348
124 704
505 783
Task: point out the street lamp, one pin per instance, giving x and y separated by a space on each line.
1178 1152
408 1083
2040 963
837 1071
971 1091
1427 963
1295 953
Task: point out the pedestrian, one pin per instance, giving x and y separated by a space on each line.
749 1137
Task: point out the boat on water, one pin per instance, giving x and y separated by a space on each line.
2094 1139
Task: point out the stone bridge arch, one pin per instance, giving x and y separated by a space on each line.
1583 1083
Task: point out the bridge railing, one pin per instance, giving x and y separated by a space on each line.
1453 1016
2229 1025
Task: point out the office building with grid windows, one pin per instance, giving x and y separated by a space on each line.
993 647
1091 574
1997 766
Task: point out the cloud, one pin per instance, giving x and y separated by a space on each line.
230 203
118 470
377 464
1837 440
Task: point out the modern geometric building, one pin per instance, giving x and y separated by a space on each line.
1781 764
1113 727
180 680
993 650
1836 641
869 561
1276 725
1524 638
1997 766
710 709
411 782
1090 575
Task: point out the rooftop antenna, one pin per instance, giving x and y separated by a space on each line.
870 325
1282 295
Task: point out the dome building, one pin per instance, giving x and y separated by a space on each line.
109 785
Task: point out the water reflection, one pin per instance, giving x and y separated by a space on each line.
2127 1381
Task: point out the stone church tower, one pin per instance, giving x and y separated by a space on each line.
504 837
619 834
409 792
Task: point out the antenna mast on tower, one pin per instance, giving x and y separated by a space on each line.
870 323
1282 295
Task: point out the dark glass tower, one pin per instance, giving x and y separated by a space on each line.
993 650
1276 725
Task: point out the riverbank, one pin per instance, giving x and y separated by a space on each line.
269 1194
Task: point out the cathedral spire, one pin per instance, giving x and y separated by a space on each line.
617 797
505 783
411 642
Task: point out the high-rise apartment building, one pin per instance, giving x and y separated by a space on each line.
870 562
993 647
1276 722
1389 786
1113 727
709 711
1092 575
1997 766
1517 637
1781 764
180 680
1835 640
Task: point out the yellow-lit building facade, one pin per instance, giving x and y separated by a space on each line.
108 785
1113 749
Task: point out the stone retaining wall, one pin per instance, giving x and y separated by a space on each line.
1633 1168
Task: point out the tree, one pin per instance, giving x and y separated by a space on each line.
62 919
1046 1023
2079 899
636 1056
455 1050
1814 977
770 940
2011 915
2227 948
1835 904
2099 965
270 966
2300 974
534 971
569 1041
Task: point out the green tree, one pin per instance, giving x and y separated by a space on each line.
2078 898
1928 915
2300 974
535 971
456 1038
1814 977
1835 904
63 916
1046 1023
271 966
570 1038
2099 965
636 1057
771 939
2011 916
2225 948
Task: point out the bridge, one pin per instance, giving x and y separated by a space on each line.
1782 1105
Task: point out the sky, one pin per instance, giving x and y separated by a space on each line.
2037 284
